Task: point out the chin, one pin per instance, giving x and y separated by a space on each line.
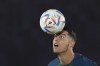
56 51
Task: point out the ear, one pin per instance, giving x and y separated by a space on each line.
72 42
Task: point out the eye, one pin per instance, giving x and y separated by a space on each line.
61 36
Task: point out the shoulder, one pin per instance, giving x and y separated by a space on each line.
83 60
54 62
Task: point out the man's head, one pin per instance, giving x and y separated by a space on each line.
63 40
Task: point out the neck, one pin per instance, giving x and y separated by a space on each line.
66 57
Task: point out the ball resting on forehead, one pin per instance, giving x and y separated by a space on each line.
52 21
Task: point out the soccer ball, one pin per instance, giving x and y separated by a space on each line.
52 21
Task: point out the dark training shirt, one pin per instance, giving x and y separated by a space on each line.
79 60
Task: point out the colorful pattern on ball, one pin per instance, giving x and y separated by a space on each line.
52 21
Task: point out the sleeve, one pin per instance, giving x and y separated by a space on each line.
88 62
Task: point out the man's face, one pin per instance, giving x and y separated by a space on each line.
61 42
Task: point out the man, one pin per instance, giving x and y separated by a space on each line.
63 44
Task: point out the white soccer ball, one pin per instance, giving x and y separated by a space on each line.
52 21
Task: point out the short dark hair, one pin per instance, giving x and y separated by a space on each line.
71 33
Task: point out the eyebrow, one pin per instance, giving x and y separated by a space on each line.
63 34
59 34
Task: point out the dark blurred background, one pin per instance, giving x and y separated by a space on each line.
23 43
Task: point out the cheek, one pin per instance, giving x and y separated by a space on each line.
63 47
64 43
